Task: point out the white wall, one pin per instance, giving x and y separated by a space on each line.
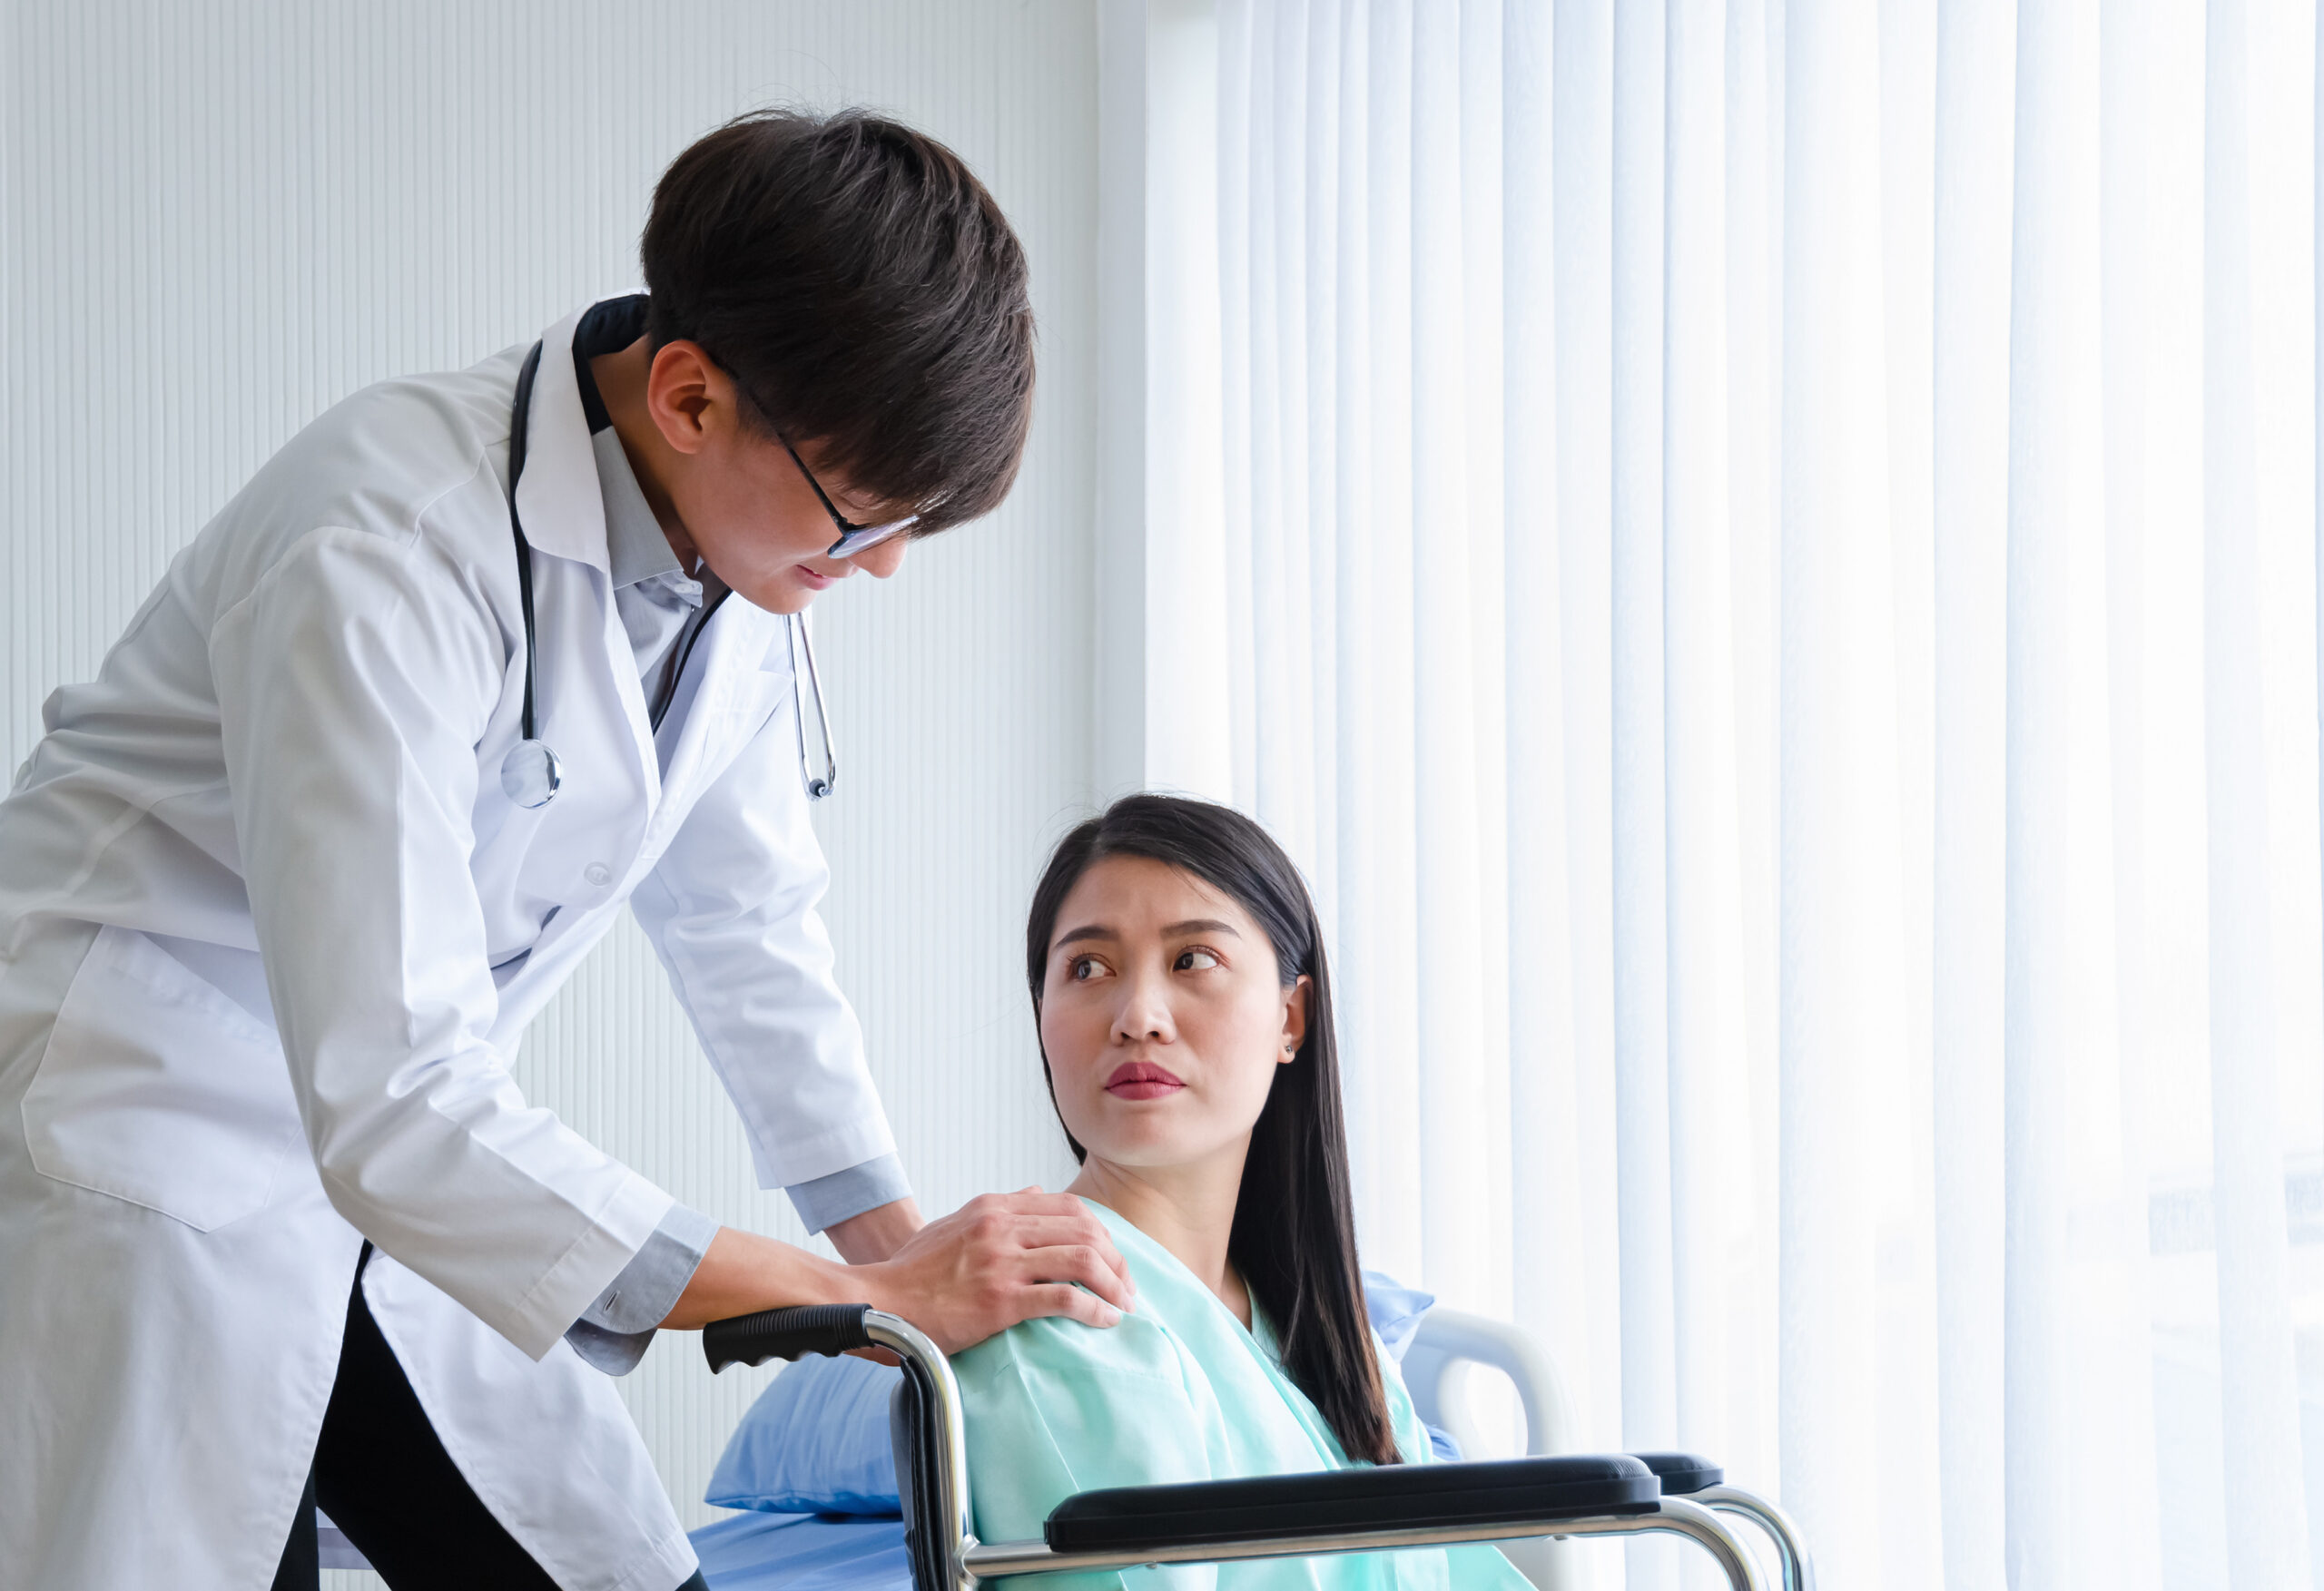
217 218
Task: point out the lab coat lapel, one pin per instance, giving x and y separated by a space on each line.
563 511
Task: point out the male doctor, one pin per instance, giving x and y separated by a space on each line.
360 784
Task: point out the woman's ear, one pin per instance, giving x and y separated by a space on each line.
1295 1020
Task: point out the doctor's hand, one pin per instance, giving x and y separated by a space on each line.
1000 1259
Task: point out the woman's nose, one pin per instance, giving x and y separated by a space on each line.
1145 1011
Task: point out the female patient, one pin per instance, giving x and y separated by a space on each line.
1184 1018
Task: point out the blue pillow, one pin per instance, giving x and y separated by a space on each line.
1395 1311
816 1442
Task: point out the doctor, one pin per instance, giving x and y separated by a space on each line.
397 736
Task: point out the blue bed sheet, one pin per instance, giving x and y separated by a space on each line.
803 1552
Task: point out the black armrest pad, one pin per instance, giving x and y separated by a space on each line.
1682 1474
1514 1491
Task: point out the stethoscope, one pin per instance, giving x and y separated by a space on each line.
531 774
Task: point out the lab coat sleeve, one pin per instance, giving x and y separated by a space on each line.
730 906
354 681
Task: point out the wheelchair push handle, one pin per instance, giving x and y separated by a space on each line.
828 1329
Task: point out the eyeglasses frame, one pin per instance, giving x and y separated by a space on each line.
853 538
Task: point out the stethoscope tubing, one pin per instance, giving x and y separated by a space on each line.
802 645
518 424
530 775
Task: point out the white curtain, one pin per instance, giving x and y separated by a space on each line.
1772 583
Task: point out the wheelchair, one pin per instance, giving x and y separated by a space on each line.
1364 1509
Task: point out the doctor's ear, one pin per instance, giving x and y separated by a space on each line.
689 396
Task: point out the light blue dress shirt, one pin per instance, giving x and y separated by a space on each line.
659 604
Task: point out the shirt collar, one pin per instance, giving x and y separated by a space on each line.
635 548
606 327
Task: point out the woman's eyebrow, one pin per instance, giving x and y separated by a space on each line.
1200 924
1192 925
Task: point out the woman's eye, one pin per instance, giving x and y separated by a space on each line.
1082 969
1196 960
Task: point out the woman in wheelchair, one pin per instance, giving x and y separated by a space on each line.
1185 1019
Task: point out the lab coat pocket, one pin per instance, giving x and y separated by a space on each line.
157 1088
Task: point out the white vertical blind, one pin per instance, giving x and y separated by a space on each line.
1839 868
2057 813
1773 586
2243 497
1969 495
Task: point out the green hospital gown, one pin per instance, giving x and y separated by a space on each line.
1178 1391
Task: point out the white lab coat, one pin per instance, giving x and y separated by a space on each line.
293 754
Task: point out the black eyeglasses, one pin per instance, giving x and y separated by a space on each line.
853 538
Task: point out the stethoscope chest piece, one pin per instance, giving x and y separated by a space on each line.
530 775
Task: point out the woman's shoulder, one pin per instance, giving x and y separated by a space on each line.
1159 1358
1053 1406
1138 1345
1148 1339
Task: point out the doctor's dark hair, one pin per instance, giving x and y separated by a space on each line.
863 288
1293 1239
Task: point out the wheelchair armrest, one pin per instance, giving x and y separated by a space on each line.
1516 1491
1682 1474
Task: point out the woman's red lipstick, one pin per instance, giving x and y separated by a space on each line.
1141 1080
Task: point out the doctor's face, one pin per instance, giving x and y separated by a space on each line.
744 501
1164 1018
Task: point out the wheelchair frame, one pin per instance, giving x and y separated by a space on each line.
1259 1517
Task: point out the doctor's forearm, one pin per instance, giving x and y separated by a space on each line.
744 1272
877 1233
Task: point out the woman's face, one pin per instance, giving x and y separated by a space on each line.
1164 1017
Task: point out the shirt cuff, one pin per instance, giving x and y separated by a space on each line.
614 1333
844 1195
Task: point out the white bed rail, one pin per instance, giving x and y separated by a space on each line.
1436 1372
1436 1367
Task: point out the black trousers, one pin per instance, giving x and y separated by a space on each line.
381 1473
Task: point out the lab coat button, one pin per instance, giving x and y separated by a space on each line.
598 874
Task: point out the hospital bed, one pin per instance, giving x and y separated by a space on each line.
1528 1505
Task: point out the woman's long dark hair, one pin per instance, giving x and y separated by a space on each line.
1293 1239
